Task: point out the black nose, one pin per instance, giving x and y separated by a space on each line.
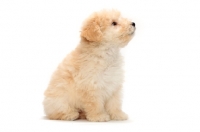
133 24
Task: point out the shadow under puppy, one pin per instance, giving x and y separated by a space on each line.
88 82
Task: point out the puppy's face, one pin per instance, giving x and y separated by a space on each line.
108 27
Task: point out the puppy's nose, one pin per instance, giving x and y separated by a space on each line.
133 24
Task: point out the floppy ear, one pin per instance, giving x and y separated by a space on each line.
92 31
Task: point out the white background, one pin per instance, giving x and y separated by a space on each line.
162 63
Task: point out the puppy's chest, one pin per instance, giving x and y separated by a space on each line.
109 79
111 76
108 74
104 73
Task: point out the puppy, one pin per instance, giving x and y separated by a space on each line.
88 82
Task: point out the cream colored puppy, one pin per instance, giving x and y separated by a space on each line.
88 82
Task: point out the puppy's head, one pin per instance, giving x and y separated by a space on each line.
108 27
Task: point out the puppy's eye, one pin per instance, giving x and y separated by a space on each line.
114 23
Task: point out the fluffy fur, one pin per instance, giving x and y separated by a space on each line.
88 82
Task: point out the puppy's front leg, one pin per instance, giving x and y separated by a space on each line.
93 106
113 107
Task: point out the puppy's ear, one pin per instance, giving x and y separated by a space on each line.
92 31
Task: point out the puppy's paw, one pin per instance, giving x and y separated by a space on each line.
99 117
119 116
70 116
64 116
